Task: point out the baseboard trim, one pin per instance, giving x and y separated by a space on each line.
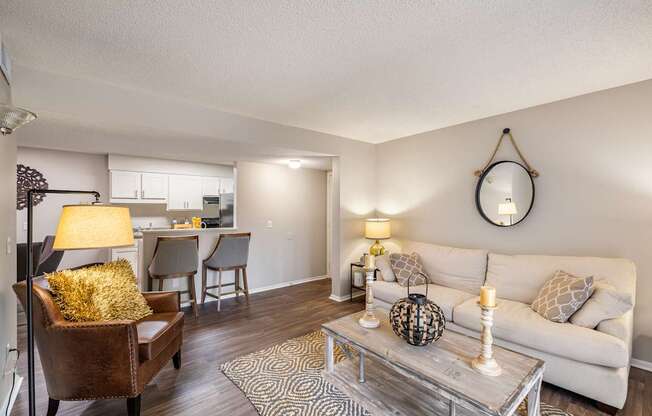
643 365
339 298
345 297
8 402
270 287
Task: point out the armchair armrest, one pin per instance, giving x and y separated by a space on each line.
90 359
162 302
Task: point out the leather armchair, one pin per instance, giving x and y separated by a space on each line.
103 360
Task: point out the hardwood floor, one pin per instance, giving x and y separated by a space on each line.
199 388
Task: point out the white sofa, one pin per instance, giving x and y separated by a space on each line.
592 362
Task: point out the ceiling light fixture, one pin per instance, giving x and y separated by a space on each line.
12 118
294 164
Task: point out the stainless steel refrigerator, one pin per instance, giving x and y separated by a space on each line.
226 211
218 211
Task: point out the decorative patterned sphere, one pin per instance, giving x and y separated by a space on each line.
416 319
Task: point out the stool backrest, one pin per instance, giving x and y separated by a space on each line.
48 259
175 256
232 250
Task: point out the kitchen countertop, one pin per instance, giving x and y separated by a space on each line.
186 230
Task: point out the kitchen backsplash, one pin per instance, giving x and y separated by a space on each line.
148 216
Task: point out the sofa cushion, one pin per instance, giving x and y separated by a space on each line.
520 277
156 331
457 268
562 296
516 322
385 268
445 297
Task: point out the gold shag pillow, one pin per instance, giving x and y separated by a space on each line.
106 292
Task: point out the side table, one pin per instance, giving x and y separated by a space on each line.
364 286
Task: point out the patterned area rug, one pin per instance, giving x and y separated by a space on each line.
285 380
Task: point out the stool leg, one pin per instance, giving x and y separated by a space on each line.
160 285
244 281
193 295
149 283
236 280
204 277
219 290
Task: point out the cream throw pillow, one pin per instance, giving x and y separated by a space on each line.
407 266
605 303
386 273
561 296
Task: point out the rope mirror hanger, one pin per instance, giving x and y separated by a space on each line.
507 132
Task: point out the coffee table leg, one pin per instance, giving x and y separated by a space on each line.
361 370
533 399
329 351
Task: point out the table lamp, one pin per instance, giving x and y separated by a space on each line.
507 208
377 229
89 226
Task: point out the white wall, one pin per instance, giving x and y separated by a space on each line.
63 170
594 195
7 260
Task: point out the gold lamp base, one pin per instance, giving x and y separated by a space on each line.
377 249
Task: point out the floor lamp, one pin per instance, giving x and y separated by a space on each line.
89 226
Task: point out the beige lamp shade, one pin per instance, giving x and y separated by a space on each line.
508 208
378 229
93 226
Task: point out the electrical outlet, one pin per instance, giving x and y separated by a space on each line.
9 245
269 224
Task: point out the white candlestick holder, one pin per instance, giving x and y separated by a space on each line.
485 363
369 319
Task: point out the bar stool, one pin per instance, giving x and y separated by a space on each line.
231 253
175 257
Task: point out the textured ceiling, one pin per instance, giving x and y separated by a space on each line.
368 70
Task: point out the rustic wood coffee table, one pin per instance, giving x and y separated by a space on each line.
401 379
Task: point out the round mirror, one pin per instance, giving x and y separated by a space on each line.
505 193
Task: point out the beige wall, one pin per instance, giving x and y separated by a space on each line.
95 117
7 260
594 195
295 201
63 170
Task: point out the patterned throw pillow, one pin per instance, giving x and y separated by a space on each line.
561 296
407 266
106 292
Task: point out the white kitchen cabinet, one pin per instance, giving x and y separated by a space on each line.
125 185
210 186
226 185
154 186
185 193
132 255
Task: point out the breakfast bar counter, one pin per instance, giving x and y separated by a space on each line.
207 241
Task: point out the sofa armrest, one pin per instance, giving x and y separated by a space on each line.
90 360
162 302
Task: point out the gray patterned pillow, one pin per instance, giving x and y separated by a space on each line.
406 265
562 296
